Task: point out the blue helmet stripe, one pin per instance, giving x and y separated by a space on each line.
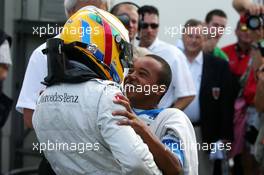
86 32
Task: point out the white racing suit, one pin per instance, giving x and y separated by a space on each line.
174 130
79 135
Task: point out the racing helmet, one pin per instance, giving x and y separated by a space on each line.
102 39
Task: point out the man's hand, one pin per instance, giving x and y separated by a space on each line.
243 6
254 9
167 162
132 120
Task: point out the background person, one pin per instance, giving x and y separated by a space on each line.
212 109
246 7
130 9
259 145
258 64
5 63
244 86
216 21
181 91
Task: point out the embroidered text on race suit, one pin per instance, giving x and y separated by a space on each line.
62 98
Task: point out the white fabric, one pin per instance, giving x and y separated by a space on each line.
179 44
182 84
261 2
196 68
35 74
82 113
175 120
5 57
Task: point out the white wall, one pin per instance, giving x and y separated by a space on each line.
176 12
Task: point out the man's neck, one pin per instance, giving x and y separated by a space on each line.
191 55
146 44
143 44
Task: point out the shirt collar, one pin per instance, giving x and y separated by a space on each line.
198 59
154 44
152 113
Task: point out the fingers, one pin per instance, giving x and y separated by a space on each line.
121 100
125 114
125 122
139 127
125 104
122 97
256 9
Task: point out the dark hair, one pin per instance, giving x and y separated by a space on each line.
165 74
116 7
215 12
148 9
192 23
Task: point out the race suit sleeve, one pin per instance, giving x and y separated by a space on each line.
127 147
173 143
